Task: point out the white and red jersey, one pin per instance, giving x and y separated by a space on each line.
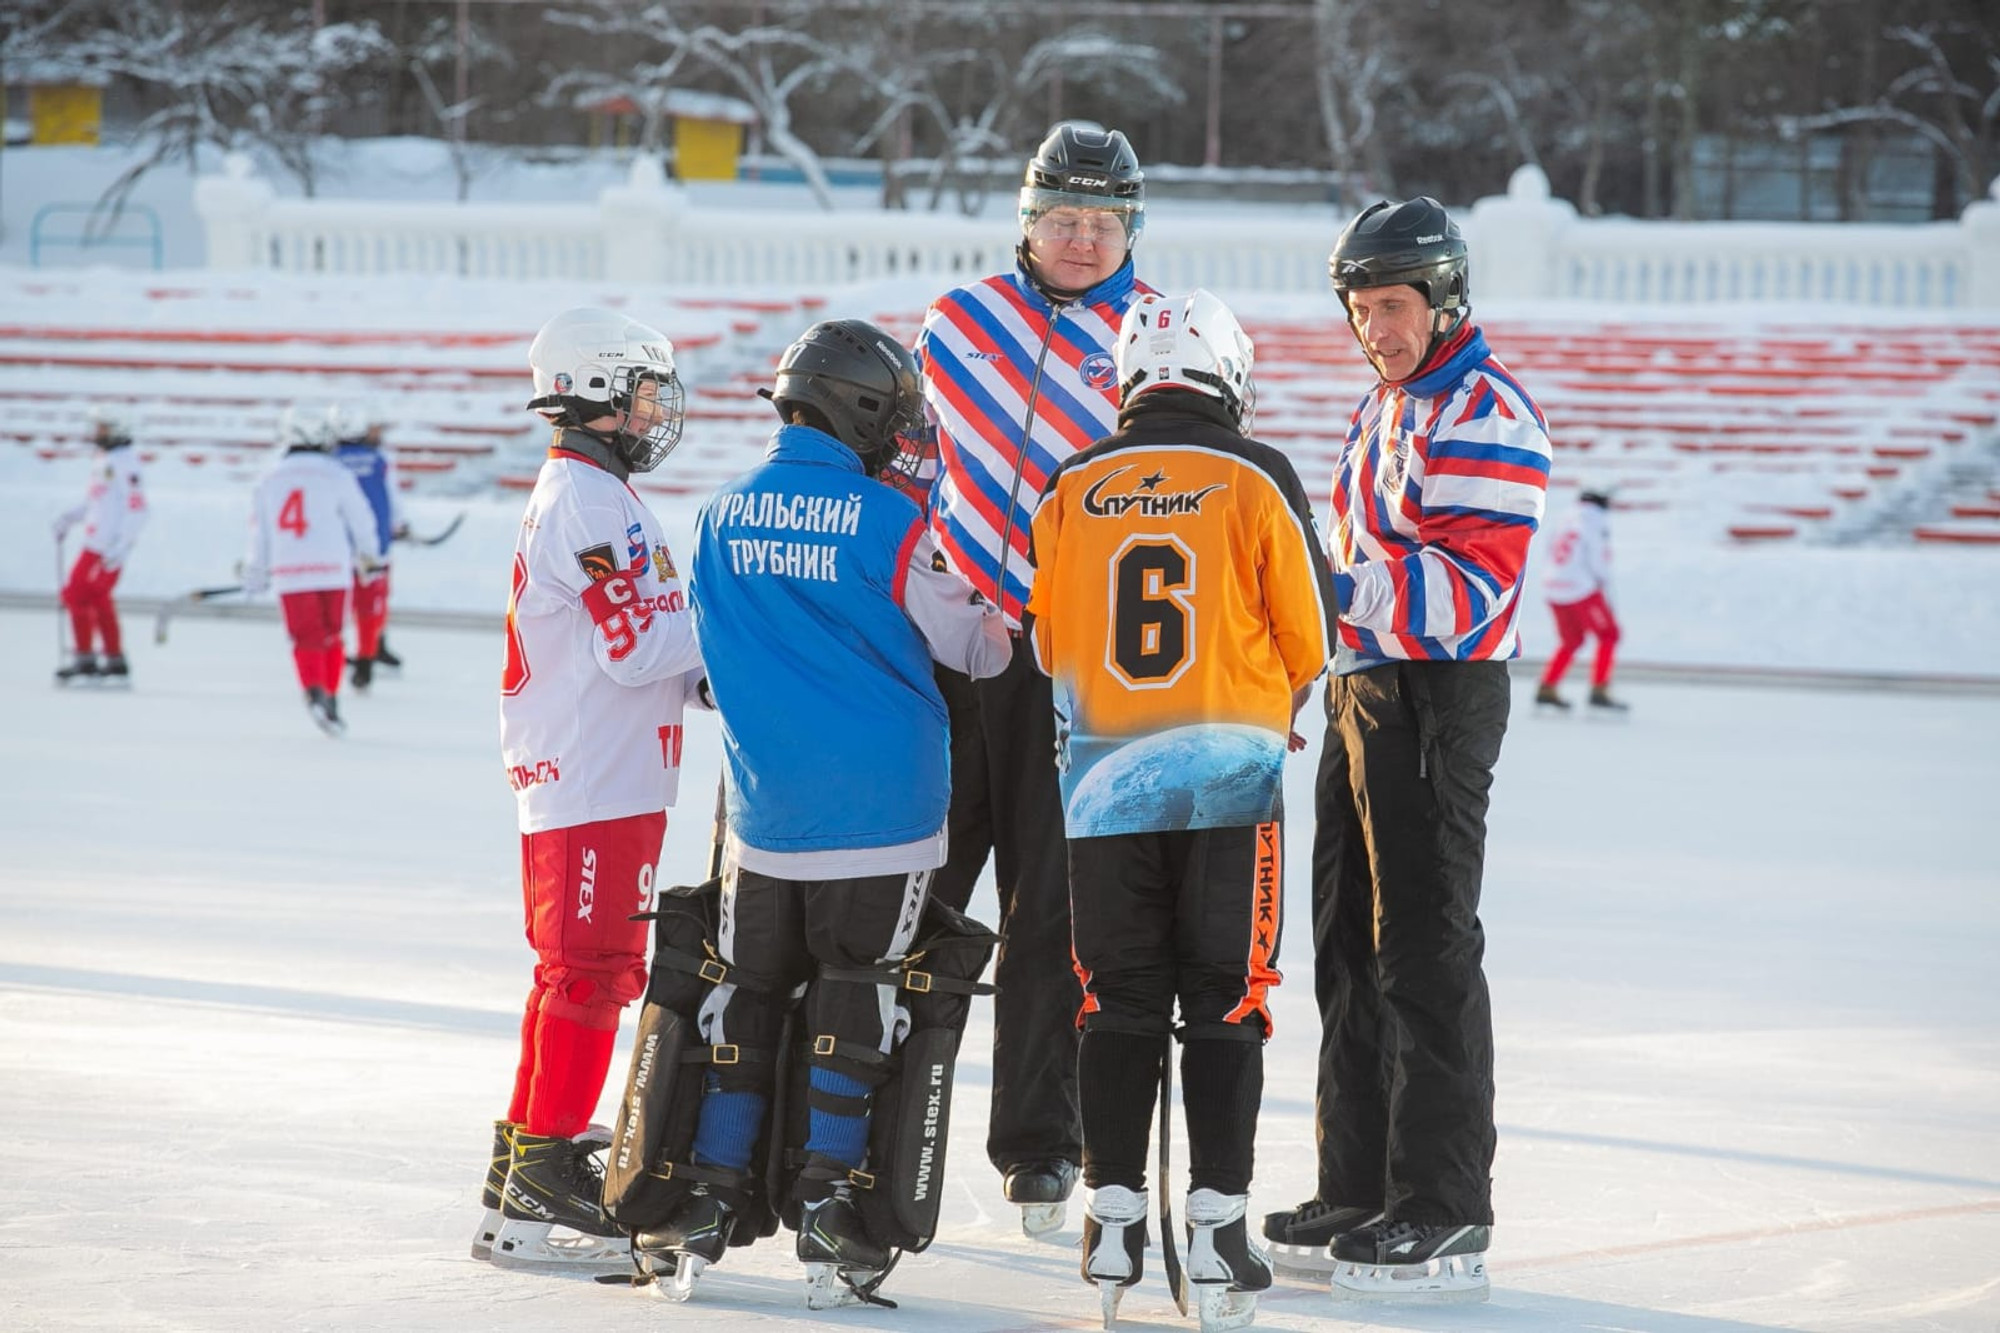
1580 557
308 522
114 509
590 715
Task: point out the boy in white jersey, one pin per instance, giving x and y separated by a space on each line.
310 529
111 513
601 660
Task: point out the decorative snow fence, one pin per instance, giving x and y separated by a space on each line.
1525 246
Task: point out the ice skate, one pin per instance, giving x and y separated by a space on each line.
82 668
1603 705
1114 1244
360 672
1042 1188
1225 1269
385 658
694 1236
842 1260
1302 1237
491 1193
1546 697
324 712
114 673
1412 1261
552 1214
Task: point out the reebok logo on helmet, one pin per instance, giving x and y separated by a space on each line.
1430 240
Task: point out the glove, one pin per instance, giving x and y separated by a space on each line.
400 533
366 563
255 580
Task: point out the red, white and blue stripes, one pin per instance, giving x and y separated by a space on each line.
1015 384
1437 494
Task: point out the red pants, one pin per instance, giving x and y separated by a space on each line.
1574 622
92 614
578 887
313 621
371 611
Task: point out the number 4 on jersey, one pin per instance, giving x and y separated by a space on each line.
292 515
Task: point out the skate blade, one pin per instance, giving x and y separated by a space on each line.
1109 1293
1221 1307
1458 1280
542 1247
825 1289
678 1285
1039 1219
1302 1263
489 1228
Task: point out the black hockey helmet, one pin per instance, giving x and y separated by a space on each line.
863 384
1414 244
1595 495
1082 165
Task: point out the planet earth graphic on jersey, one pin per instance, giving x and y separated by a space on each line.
1208 775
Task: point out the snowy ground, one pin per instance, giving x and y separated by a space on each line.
258 1002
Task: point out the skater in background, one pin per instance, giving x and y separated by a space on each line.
112 512
600 663
310 531
358 445
1018 375
1436 497
1174 700
1578 586
821 644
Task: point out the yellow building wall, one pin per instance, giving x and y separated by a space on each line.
66 113
706 150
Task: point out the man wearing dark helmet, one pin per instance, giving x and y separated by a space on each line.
1436 495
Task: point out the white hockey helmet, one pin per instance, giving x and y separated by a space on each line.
351 420
1187 342
305 425
590 363
109 429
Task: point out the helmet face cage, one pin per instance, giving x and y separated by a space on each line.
645 446
1192 343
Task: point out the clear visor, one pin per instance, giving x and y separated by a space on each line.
1057 216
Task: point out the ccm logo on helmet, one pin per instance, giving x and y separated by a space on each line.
1089 180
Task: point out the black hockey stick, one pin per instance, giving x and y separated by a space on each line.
167 609
1170 1254
438 540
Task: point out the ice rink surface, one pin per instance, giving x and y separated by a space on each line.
259 1001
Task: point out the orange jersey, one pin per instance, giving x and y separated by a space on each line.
1181 599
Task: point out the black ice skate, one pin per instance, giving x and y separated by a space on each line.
843 1262
552 1211
360 672
114 672
1546 697
1114 1244
1412 1260
491 1193
82 668
694 1236
1301 1238
1225 1271
324 712
1601 702
1042 1188
385 658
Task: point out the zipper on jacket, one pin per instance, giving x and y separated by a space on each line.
1021 456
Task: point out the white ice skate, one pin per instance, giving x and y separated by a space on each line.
1399 1261
1225 1268
1114 1244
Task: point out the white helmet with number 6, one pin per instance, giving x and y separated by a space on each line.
590 364
1187 342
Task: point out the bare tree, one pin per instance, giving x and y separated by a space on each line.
1354 70
441 43
1957 115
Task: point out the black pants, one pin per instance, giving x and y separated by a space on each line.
1004 800
786 930
1192 917
1405 1107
